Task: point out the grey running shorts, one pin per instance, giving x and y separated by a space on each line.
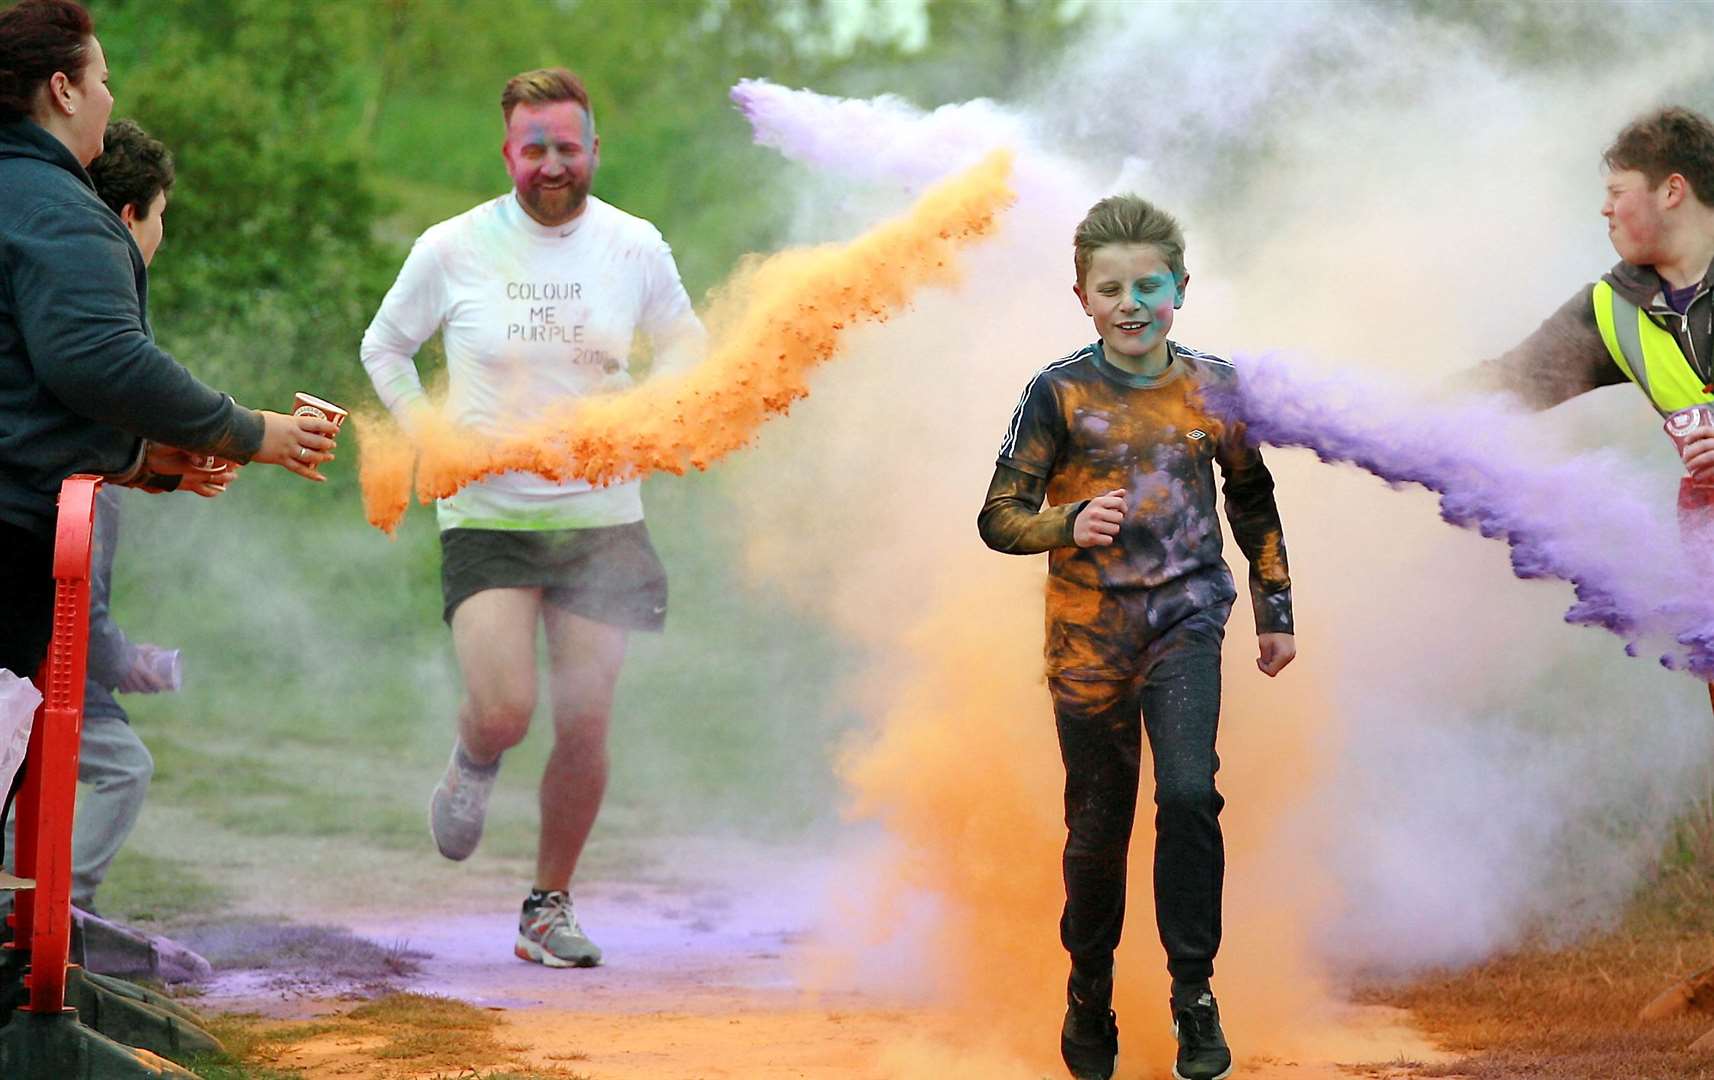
609 574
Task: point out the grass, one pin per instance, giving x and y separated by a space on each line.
1569 1012
429 1031
411 1034
320 685
145 888
225 1067
247 1039
318 706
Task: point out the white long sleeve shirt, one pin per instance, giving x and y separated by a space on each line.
530 315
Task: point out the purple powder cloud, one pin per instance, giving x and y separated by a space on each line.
1580 520
877 139
890 142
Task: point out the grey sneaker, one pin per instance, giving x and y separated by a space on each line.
549 935
459 805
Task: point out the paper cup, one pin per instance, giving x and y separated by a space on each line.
309 405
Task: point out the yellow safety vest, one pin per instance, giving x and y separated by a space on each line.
1647 353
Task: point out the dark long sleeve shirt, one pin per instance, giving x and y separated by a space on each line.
1084 427
82 381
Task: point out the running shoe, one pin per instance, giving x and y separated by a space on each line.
1202 1050
459 805
548 934
1089 1038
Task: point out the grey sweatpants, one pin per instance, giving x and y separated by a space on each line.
116 767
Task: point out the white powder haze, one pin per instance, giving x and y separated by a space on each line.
1374 192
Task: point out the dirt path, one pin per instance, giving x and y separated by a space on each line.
707 981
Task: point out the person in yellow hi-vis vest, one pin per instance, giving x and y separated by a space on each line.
1649 321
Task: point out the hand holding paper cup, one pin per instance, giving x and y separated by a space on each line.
304 440
1692 431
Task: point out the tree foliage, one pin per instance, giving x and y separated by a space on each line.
314 140
270 256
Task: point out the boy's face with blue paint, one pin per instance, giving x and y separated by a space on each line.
551 152
1131 294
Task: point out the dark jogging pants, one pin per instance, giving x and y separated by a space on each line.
26 617
1175 697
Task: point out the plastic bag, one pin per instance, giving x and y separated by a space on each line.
18 701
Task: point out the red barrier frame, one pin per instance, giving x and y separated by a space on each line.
47 801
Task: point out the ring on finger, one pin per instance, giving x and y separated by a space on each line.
303 452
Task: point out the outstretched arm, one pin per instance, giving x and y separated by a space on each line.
1563 358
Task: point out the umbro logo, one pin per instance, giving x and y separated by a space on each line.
1198 433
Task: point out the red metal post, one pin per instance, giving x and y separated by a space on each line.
48 798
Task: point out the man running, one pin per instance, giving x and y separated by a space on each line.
538 295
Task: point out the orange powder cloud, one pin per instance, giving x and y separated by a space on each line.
386 469
962 769
772 324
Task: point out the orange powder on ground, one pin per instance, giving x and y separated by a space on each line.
779 318
963 771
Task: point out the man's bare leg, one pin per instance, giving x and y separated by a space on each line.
585 657
494 634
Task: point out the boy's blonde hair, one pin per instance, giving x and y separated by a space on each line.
1128 219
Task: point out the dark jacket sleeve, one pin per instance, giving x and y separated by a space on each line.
78 310
1012 520
1255 521
1563 358
110 654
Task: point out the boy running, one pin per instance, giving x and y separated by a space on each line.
1117 440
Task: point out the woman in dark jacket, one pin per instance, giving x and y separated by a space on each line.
83 387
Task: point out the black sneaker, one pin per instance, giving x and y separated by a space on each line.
1202 1050
1089 1039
